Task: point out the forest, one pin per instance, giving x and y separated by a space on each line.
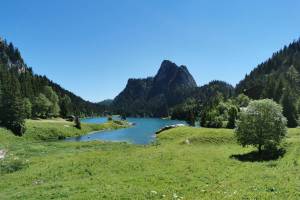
25 95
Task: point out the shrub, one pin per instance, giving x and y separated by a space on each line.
216 122
109 118
10 165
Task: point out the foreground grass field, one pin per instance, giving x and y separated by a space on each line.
185 163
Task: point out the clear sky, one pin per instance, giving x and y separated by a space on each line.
91 47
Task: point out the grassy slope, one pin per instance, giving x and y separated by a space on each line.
199 170
59 128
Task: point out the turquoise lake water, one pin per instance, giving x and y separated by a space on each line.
143 132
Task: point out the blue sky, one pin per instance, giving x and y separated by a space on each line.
91 47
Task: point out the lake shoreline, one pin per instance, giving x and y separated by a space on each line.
141 131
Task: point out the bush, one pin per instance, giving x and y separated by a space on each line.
10 165
17 127
216 122
262 125
109 118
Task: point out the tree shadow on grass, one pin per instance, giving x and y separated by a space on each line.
255 156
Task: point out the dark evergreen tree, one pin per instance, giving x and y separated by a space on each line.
12 107
232 116
279 86
288 102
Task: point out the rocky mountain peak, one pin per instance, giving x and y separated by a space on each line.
140 95
171 76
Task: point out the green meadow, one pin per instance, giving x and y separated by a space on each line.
184 163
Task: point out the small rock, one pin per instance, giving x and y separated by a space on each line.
2 154
153 192
38 182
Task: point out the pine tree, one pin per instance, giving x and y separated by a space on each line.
278 90
12 109
288 102
233 113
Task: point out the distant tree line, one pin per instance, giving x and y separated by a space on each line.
24 94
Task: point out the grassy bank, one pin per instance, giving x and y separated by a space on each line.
59 128
184 162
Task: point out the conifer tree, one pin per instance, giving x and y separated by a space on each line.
233 113
288 102
12 108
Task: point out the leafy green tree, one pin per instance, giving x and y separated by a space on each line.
53 98
261 125
232 116
41 106
213 119
242 100
27 108
288 102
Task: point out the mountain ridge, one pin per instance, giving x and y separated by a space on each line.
153 96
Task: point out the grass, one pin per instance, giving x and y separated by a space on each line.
60 129
185 162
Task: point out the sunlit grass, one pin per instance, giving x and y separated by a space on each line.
169 169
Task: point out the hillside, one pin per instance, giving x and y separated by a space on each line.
31 85
269 79
278 78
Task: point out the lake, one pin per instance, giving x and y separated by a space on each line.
143 132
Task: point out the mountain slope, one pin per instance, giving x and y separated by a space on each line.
279 79
154 96
269 79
